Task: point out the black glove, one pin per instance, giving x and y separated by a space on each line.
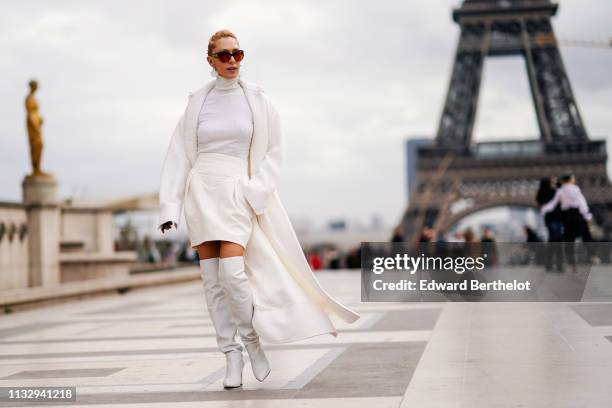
167 225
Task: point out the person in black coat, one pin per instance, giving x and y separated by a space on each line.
554 223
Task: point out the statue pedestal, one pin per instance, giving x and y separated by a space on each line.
39 190
40 197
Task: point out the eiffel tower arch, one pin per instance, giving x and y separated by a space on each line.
454 169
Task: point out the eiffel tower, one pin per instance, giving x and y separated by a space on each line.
455 173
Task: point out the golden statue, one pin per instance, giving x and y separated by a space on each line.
34 123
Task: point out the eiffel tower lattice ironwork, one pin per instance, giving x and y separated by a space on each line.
483 175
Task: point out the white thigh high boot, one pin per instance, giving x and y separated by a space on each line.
233 278
225 328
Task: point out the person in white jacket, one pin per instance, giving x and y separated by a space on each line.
575 215
222 167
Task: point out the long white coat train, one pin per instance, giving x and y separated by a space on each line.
290 304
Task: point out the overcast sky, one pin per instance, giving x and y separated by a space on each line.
352 81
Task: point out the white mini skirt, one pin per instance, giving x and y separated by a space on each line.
214 205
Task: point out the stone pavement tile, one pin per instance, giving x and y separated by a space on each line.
391 306
595 314
69 330
367 370
541 383
127 373
62 373
475 384
591 348
120 309
27 328
510 315
532 355
422 319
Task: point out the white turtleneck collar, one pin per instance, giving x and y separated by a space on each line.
224 83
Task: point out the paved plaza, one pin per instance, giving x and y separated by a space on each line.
155 347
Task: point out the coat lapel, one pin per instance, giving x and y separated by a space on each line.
260 134
196 99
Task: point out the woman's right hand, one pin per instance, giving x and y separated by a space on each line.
166 226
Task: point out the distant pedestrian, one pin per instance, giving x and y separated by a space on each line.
575 215
398 235
554 223
531 235
315 261
535 250
489 247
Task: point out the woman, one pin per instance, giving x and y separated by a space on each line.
553 221
575 216
222 167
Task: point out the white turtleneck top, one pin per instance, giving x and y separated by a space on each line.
225 122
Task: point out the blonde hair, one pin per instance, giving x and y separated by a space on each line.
219 34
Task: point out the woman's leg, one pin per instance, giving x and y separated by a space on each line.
555 249
587 240
233 277
228 248
570 233
209 249
220 313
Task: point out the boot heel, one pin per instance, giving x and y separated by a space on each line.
233 369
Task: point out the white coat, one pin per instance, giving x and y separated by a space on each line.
290 304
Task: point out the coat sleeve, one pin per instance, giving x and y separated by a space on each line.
264 181
549 206
174 173
583 207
